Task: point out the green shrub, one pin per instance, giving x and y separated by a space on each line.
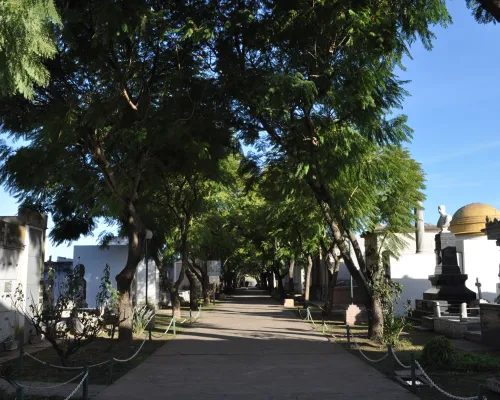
439 352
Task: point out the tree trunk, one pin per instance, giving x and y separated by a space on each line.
136 238
205 284
333 271
193 289
263 280
375 319
492 6
175 299
308 279
291 270
281 287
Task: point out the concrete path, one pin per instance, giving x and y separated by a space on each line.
251 348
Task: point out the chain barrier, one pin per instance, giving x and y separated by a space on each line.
62 367
134 355
164 333
50 387
370 359
398 360
52 365
451 396
77 387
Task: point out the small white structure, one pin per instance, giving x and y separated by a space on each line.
22 250
95 259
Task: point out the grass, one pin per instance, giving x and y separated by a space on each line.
98 351
459 383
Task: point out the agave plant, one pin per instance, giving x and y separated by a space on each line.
140 319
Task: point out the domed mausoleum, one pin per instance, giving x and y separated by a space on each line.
471 219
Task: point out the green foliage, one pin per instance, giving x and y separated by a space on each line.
141 318
66 334
108 296
439 351
394 326
27 39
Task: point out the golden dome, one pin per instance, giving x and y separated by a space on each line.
470 219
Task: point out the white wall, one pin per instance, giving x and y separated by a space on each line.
412 271
94 259
481 258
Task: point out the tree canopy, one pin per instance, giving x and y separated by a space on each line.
148 102
26 40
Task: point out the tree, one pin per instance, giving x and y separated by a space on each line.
318 79
485 11
128 96
26 40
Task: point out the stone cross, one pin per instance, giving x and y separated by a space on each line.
478 285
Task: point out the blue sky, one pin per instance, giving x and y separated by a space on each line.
454 110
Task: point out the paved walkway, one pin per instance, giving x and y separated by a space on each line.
251 348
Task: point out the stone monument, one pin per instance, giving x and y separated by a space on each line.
448 282
444 220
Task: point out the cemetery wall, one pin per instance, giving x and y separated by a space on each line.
95 259
480 258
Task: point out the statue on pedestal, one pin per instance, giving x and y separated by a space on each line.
444 219
81 287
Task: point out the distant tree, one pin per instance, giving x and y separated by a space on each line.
27 39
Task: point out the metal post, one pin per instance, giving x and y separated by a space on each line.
86 384
348 336
190 316
147 272
323 323
111 361
150 335
173 324
19 393
352 292
390 360
21 361
413 374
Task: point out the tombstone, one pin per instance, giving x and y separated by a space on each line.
448 282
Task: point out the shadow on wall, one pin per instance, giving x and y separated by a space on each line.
413 289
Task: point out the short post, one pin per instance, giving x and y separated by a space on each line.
111 361
86 383
463 311
390 360
413 374
437 309
19 393
190 316
173 323
348 329
323 323
480 395
150 334
214 296
20 364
